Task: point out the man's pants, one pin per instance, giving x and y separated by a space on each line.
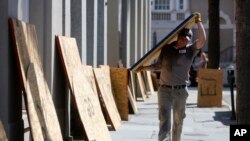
171 98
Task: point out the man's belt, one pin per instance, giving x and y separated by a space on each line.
174 86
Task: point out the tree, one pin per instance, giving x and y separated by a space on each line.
242 61
214 34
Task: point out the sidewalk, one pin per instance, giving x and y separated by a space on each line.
200 124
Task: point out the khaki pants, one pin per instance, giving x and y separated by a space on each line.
169 98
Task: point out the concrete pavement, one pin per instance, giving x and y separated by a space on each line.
200 124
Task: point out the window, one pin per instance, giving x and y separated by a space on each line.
162 5
181 4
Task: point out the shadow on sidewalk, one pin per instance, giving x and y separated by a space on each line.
224 117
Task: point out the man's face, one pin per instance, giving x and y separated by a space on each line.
182 41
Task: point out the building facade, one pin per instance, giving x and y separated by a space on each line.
167 14
107 32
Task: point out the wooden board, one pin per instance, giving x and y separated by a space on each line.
42 113
89 108
119 81
24 39
102 76
149 82
141 87
89 73
172 36
132 84
69 55
132 102
210 85
82 91
25 43
3 136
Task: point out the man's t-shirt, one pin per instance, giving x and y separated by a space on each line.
176 63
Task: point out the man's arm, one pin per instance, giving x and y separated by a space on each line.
152 67
201 33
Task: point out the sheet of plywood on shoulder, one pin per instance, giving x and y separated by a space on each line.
89 73
3 136
89 108
152 54
119 82
105 91
24 39
83 94
25 43
142 90
210 85
43 118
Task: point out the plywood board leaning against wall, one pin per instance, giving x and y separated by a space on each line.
119 82
210 85
83 94
149 82
40 104
89 73
102 76
132 102
141 95
3 136
26 48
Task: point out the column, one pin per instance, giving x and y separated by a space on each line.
133 32
51 25
145 24
149 25
78 26
125 33
112 33
102 32
140 29
92 32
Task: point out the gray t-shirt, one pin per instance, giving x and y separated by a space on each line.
176 63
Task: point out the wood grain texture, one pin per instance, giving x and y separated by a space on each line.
119 82
210 85
40 108
82 91
25 42
69 54
89 108
42 113
89 73
102 76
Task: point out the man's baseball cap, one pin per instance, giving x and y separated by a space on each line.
185 32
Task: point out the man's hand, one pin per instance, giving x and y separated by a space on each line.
198 18
141 68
